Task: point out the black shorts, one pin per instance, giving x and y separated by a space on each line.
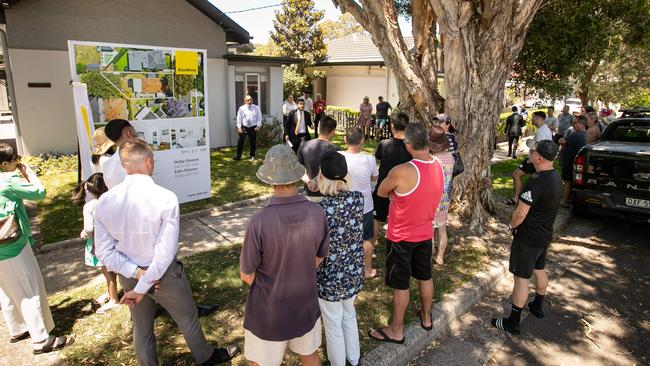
406 259
381 207
525 258
527 167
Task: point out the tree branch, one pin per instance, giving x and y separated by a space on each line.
352 7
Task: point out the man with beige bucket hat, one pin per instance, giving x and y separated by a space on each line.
284 243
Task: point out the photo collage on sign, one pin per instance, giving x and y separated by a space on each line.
159 90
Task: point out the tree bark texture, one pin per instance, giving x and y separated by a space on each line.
414 71
482 40
586 81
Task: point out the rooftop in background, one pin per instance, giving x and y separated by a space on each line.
356 49
234 32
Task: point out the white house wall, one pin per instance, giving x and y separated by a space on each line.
347 85
218 102
47 120
275 92
37 35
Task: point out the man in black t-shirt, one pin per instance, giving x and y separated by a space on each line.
389 154
532 227
382 113
514 125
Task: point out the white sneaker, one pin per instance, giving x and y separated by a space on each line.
103 298
107 307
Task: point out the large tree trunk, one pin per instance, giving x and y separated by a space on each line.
585 83
414 71
482 39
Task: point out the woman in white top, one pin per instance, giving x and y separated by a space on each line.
288 106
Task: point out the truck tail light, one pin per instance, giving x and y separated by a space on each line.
578 170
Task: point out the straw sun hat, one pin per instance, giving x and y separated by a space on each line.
101 142
280 166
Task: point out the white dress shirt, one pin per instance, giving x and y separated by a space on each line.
300 119
136 225
309 104
249 116
288 107
113 170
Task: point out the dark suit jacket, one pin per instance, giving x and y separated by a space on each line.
290 125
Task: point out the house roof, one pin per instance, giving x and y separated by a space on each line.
264 59
234 32
356 49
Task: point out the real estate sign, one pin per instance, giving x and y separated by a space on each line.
162 92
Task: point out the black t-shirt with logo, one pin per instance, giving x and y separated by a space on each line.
542 193
390 153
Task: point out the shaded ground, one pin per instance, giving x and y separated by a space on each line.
595 309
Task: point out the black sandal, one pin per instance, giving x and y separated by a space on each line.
19 337
385 337
422 321
53 343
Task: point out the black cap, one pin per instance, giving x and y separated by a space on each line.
546 149
333 166
114 128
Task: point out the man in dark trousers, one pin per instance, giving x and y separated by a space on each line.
532 227
295 127
514 124
249 120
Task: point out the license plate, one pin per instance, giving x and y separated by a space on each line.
635 202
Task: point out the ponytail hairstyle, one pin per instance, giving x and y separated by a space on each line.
94 184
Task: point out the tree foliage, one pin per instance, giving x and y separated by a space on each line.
266 49
102 85
570 43
296 31
335 29
297 34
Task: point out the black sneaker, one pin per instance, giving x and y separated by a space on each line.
504 324
221 355
537 311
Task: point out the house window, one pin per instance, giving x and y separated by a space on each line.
255 85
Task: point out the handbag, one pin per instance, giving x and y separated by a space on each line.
9 230
458 164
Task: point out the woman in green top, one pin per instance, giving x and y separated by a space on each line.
22 291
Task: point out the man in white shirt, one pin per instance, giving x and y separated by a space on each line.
249 120
309 104
363 174
542 133
136 235
117 130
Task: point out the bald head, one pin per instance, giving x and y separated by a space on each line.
136 157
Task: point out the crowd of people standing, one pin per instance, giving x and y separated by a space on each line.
305 256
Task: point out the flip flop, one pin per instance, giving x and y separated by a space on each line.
419 311
19 337
385 337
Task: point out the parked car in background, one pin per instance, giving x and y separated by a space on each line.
612 176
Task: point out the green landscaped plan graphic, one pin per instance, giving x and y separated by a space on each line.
138 84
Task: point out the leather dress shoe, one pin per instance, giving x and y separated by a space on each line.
221 355
205 310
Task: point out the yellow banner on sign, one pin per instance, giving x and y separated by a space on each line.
187 62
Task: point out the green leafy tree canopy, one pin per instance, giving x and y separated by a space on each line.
344 25
102 85
296 31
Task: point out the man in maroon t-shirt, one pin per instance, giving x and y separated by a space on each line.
284 243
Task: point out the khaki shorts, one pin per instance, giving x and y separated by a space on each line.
271 353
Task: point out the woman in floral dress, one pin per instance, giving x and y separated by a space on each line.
340 276
365 116
439 147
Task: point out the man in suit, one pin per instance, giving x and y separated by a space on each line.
295 128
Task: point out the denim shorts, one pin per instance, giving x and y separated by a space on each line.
368 226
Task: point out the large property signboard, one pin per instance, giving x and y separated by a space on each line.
162 91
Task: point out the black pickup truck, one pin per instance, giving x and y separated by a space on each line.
612 176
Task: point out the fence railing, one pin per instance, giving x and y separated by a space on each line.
347 118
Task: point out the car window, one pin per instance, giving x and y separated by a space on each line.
630 133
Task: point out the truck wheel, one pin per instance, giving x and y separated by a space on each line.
580 210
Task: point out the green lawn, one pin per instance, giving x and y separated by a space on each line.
214 277
231 181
